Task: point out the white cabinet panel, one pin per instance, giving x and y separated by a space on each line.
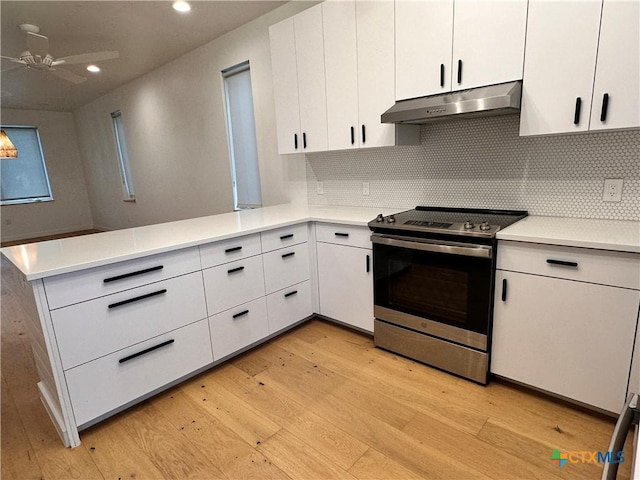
284 237
233 283
288 306
285 267
348 235
226 251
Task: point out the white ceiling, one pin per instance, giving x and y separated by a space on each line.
147 34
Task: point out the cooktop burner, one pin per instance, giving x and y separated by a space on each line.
453 221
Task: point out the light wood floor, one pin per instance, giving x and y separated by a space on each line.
318 402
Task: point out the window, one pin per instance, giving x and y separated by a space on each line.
24 179
241 129
123 157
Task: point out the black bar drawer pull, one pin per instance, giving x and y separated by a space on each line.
339 234
234 270
135 299
364 134
234 249
295 141
605 105
353 135
459 71
368 264
133 274
145 351
304 140
576 114
290 254
442 74
286 237
240 314
286 295
564 263
504 289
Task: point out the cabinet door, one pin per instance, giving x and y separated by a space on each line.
345 284
341 67
488 42
424 36
618 67
285 86
560 59
571 338
376 78
309 45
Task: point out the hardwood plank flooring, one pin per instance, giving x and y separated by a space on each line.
317 402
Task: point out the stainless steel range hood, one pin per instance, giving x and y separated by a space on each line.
500 99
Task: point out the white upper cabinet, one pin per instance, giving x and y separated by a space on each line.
618 67
569 45
446 45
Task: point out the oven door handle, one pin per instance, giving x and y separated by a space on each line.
452 248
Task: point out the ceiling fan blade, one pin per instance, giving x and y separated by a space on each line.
67 75
5 66
14 60
37 44
87 57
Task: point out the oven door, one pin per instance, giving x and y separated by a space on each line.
444 289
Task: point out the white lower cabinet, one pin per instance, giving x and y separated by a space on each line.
238 327
112 381
289 306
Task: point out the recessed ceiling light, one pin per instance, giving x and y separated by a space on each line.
181 6
93 68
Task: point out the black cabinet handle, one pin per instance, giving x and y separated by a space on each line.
133 274
504 289
234 249
304 140
286 295
561 262
136 299
234 270
295 141
290 254
364 134
576 114
442 74
353 135
339 234
459 71
605 105
368 264
240 314
147 350
286 237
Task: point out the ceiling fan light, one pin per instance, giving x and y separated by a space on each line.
93 68
7 148
181 6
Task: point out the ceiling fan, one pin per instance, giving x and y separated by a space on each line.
37 56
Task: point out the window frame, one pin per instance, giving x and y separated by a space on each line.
124 163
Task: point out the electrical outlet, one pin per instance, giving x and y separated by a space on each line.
365 188
612 190
320 188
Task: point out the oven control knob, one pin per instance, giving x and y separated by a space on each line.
484 226
380 218
391 219
468 225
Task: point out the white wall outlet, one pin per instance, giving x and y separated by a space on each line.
365 188
320 188
612 190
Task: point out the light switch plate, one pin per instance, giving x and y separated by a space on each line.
320 188
365 188
612 190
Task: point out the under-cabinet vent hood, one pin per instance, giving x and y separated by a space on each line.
500 99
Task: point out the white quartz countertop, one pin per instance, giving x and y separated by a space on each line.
54 257
616 235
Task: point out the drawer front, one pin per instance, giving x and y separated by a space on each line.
238 327
109 382
284 237
70 288
619 269
91 329
230 250
344 235
285 267
232 284
289 306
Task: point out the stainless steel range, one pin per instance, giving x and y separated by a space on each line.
434 283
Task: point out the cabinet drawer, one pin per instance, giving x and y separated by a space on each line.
238 327
284 237
107 383
289 306
233 283
98 327
96 282
344 235
285 267
620 269
230 250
